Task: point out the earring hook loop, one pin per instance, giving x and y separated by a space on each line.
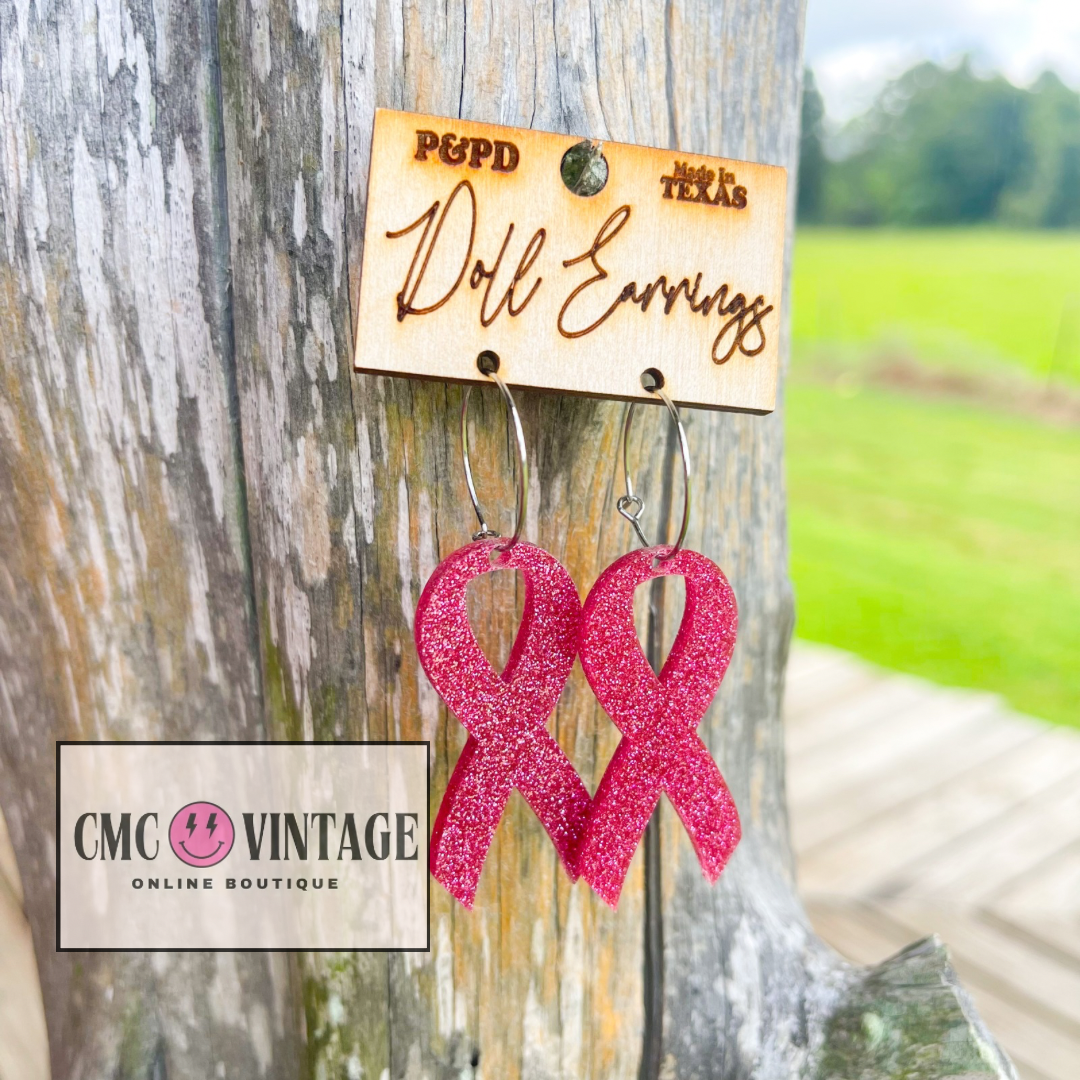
488 364
632 506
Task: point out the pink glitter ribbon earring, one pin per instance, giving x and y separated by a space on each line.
658 715
505 714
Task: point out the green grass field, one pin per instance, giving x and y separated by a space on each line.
934 535
958 297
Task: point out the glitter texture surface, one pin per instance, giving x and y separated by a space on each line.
505 715
660 749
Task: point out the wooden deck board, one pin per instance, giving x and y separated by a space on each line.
824 685
969 827
828 716
918 726
974 871
1046 903
879 855
984 737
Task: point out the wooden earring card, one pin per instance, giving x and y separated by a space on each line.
475 241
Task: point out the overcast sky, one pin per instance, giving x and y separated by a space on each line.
855 46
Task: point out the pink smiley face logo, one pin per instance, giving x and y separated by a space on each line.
201 834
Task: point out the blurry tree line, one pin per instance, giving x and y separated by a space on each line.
944 145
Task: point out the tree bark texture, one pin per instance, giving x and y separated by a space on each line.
212 528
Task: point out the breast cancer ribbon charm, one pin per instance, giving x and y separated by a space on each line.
505 714
658 716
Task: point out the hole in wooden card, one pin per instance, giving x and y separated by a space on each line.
584 169
652 379
664 598
488 362
495 602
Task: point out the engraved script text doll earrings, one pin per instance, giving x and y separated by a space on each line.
658 715
505 713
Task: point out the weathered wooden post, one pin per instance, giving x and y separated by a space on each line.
211 527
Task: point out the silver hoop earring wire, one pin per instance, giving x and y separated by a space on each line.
488 364
630 505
